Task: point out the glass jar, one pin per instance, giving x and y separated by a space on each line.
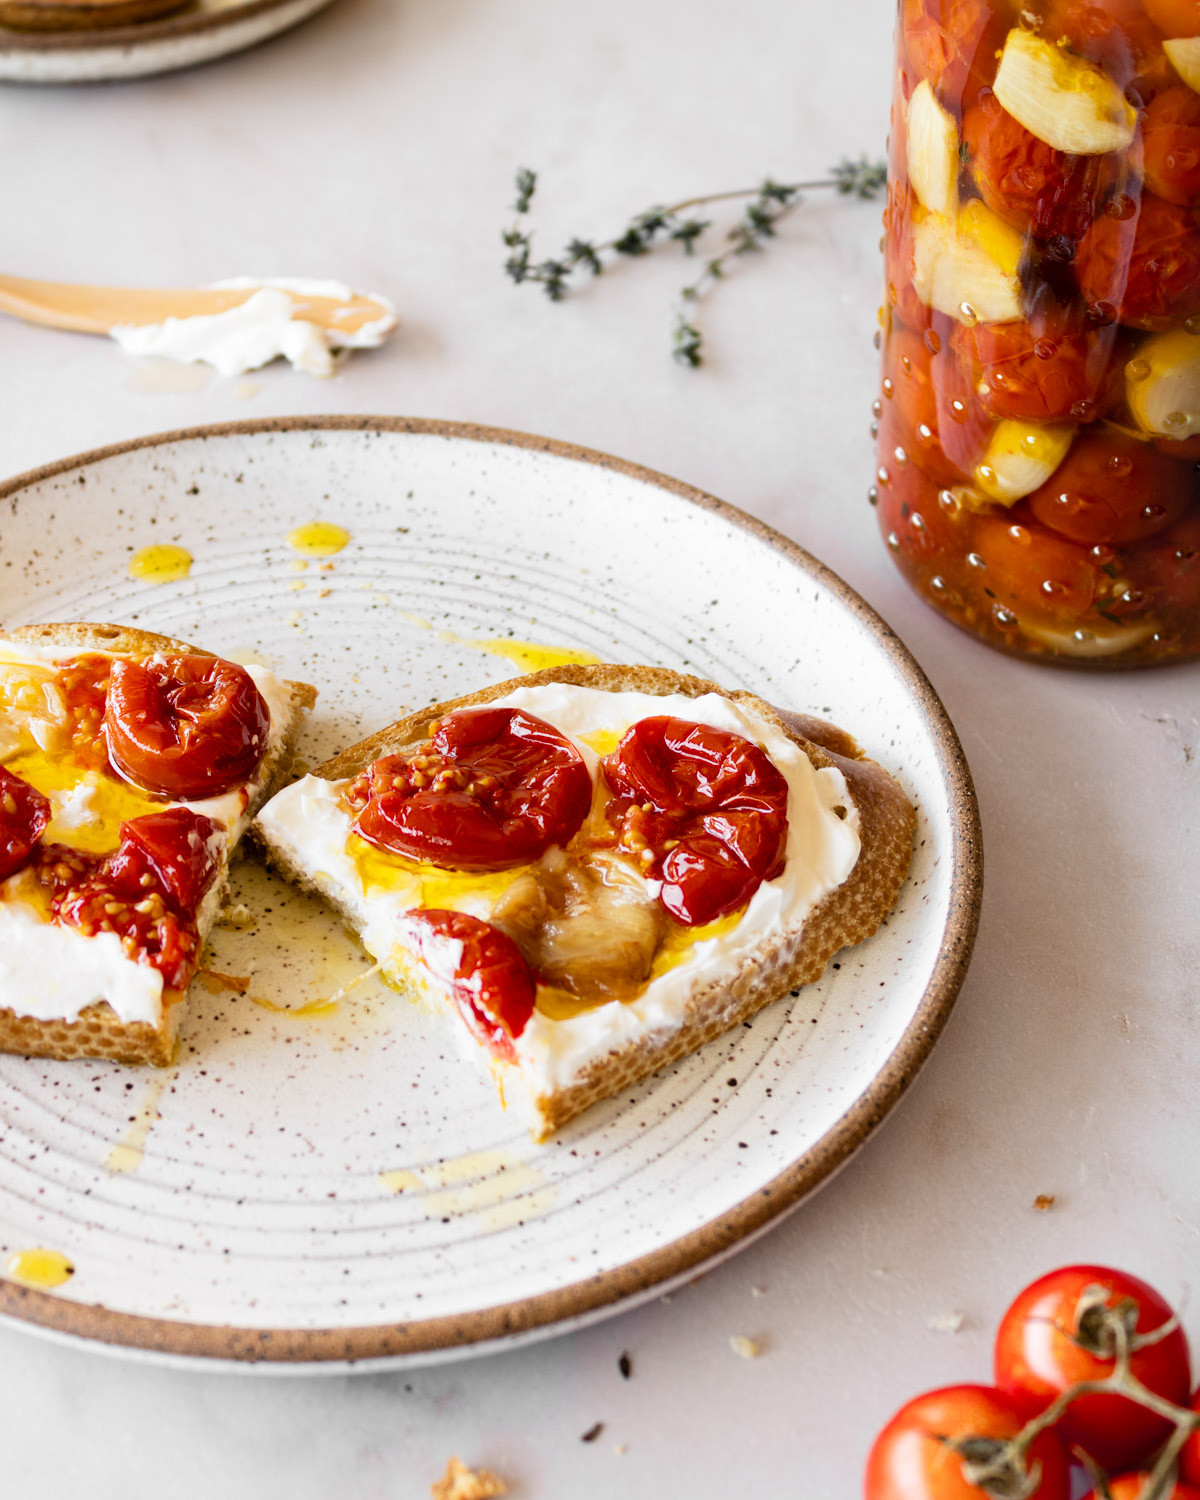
1039 420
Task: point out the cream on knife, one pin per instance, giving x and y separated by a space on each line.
234 325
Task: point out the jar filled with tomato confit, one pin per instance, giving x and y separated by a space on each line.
1039 420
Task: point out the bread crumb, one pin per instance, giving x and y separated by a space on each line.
238 915
214 981
461 1483
1043 1201
324 593
947 1322
747 1348
619 1449
758 1291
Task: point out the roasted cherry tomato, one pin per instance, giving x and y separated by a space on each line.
953 43
492 985
24 814
1113 488
1050 1337
912 1458
1171 145
1174 17
494 787
1166 569
1046 369
1114 33
1029 569
1132 1487
83 682
174 847
1143 269
1033 187
147 891
185 726
706 810
929 409
898 253
913 521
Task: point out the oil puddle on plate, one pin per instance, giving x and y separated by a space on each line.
127 1154
296 970
494 1189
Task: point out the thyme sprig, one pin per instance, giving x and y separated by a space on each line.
770 202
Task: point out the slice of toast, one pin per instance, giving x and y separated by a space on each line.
83 15
97 1030
752 960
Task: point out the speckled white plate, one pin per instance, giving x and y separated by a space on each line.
206 30
257 1217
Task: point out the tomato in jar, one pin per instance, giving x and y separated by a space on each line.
1113 488
1051 194
1171 145
1040 291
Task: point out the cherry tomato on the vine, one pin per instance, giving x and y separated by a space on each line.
188 727
1042 1347
1189 1459
1132 1487
912 1458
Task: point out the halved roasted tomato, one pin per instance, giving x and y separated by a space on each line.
185 727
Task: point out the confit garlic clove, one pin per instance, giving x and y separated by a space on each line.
967 267
1020 457
1162 385
1091 642
932 153
1066 101
1184 56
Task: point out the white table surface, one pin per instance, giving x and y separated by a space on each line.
377 143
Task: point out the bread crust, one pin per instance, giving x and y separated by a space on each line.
83 15
845 916
99 1031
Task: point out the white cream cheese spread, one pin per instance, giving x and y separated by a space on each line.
309 823
261 329
49 971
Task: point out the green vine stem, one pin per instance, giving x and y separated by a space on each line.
1001 1469
770 202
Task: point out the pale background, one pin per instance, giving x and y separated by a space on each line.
377 144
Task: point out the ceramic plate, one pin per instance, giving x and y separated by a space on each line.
317 1182
207 29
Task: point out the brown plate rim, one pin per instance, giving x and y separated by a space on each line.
168 28
687 1254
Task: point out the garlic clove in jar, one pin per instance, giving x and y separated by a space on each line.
1020 457
932 152
1066 101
